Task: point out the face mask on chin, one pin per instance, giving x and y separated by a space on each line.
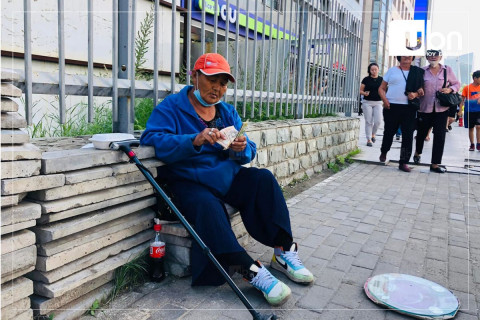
205 104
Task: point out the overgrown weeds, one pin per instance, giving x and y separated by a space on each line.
131 274
341 162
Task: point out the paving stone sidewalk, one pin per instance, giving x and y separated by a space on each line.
366 220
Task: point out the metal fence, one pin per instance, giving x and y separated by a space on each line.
290 58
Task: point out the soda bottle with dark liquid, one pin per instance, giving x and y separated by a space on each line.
157 256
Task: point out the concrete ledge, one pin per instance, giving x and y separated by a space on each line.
25 211
96 232
16 241
43 305
17 226
20 169
26 151
52 217
64 257
12 120
16 290
96 197
21 185
8 105
16 261
57 230
77 308
9 90
64 285
13 137
12 200
61 161
15 309
91 259
77 176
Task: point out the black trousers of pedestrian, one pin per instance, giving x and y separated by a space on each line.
399 115
437 120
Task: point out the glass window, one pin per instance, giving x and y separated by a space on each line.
375 24
374 37
274 4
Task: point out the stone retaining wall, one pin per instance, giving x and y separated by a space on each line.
76 215
19 160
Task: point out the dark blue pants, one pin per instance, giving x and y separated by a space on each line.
257 195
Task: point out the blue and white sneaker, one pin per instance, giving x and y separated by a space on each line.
275 291
289 263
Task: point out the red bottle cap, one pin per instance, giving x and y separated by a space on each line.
157 227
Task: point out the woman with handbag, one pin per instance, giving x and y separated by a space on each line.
400 105
438 79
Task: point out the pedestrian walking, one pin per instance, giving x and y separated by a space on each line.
471 104
400 105
372 103
431 112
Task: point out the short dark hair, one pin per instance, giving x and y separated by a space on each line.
371 65
476 74
400 58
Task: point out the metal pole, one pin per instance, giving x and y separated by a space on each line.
284 42
132 59
289 58
296 57
125 122
61 61
254 74
156 49
188 39
227 32
316 58
215 25
172 48
300 114
276 62
269 73
202 32
262 73
244 111
27 20
90 61
235 98
114 63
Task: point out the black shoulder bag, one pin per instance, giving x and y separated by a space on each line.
448 99
413 102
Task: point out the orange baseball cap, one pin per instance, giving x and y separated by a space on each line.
213 63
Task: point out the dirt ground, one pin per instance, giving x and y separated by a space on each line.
298 187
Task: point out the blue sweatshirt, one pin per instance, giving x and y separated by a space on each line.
171 129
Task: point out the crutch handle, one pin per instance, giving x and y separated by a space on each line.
124 145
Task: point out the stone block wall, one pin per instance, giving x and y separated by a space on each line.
20 160
291 149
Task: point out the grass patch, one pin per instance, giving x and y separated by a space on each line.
342 162
131 274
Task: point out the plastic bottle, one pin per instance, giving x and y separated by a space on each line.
157 256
